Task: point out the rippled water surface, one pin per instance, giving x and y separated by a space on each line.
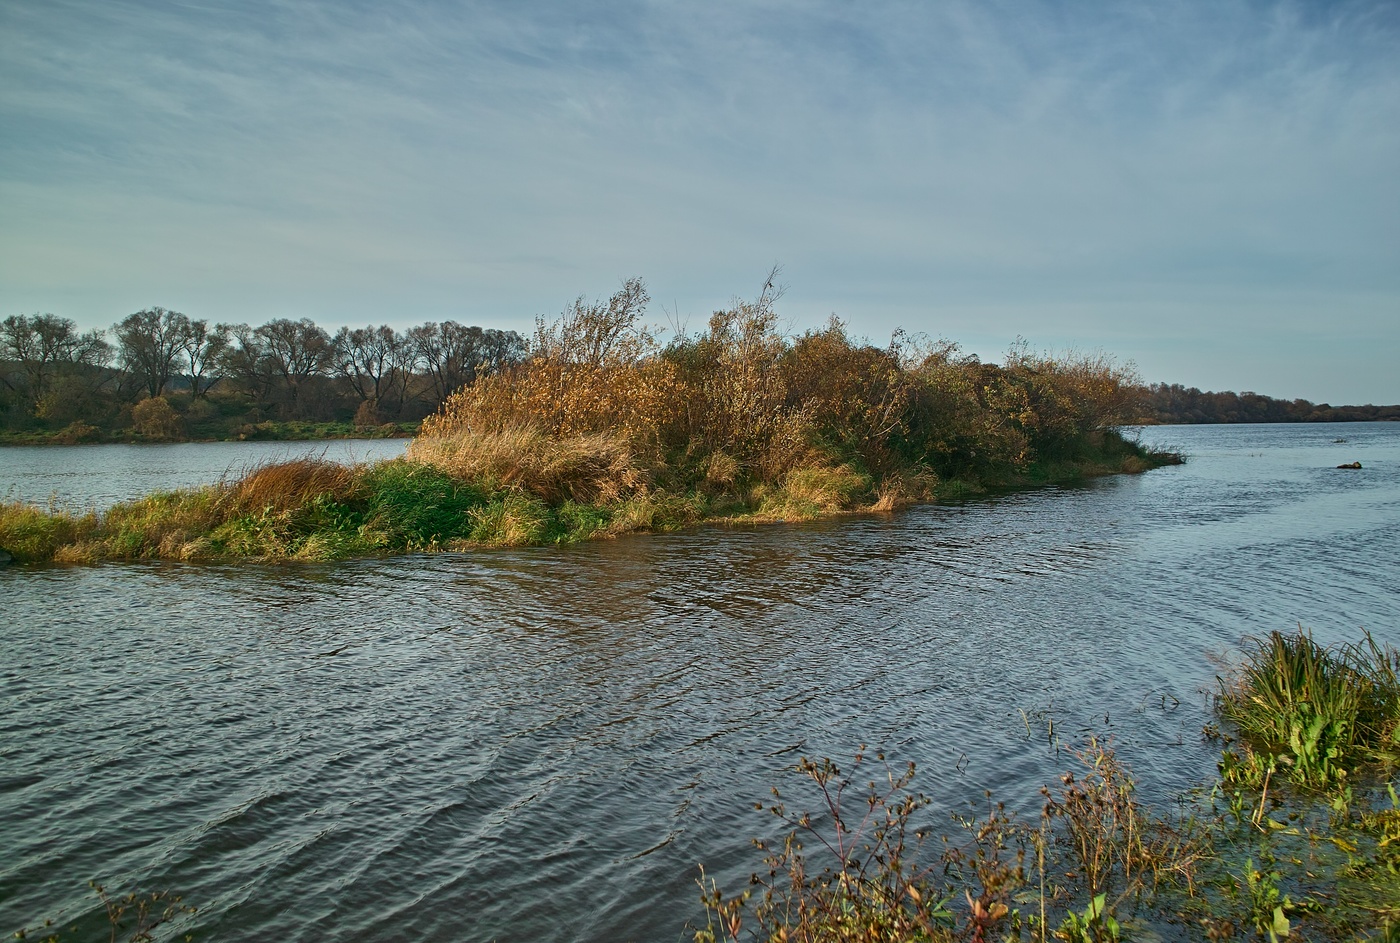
98 476
543 744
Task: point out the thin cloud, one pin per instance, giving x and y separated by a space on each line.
1072 174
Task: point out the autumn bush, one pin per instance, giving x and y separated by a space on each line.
600 410
602 430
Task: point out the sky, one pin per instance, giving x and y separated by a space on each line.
1209 189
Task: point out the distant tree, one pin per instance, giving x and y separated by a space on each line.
243 360
150 344
295 352
500 351
202 350
453 355
45 345
377 361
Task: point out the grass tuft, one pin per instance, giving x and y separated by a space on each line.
419 506
1319 712
592 468
32 535
511 520
288 485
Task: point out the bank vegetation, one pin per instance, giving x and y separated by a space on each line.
1298 838
602 430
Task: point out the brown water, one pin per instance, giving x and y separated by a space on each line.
544 743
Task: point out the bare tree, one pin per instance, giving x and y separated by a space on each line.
296 351
203 348
597 333
454 355
44 344
377 361
243 359
149 344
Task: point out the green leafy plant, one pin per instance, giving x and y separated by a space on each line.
1319 711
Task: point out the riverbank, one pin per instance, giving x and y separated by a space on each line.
1299 836
80 433
520 490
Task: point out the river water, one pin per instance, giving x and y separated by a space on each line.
543 744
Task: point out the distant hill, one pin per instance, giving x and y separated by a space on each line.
1174 404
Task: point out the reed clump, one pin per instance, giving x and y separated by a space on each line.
1314 714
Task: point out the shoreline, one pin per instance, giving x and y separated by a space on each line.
317 510
261 432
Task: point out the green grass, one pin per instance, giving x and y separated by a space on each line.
418 506
1315 712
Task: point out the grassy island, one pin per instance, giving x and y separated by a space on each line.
603 431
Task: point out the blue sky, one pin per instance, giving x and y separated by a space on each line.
1209 189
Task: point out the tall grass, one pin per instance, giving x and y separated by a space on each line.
1318 712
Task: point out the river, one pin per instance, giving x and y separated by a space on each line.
543 744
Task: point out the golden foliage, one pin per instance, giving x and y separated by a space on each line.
595 467
155 418
739 404
288 485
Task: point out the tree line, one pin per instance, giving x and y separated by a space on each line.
175 371
1175 404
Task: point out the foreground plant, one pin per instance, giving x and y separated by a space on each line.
1298 839
859 869
870 885
133 917
1313 713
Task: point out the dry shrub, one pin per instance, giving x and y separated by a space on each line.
285 486
956 422
1068 395
598 467
155 418
737 398
592 370
367 416
856 395
641 402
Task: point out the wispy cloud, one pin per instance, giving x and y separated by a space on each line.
1065 171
